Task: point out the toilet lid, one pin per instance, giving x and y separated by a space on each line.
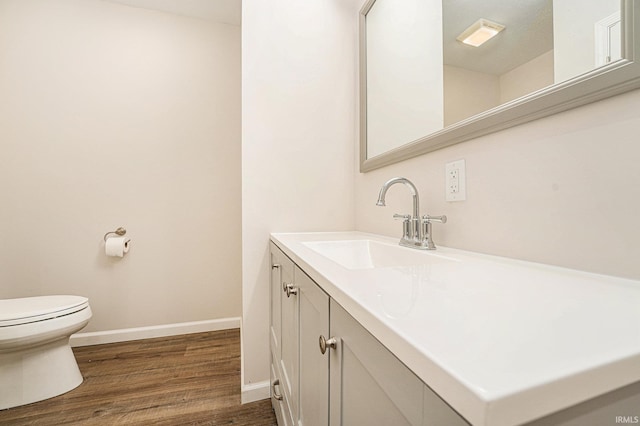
31 309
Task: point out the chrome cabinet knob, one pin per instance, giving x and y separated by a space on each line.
276 395
327 343
289 289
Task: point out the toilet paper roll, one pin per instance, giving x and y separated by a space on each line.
117 246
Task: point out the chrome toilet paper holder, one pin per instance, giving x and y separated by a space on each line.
120 232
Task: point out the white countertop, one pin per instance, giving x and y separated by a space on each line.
502 341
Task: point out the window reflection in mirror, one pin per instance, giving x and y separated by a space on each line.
420 78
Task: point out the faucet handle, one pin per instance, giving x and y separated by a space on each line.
406 225
441 219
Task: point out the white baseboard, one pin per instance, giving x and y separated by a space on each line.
255 392
127 334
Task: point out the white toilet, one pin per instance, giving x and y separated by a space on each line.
36 361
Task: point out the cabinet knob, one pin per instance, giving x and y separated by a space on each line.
277 396
327 343
289 289
275 266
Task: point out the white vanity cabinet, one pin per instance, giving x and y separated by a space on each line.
357 381
550 362
299 371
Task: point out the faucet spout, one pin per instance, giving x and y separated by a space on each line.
413 226
408 184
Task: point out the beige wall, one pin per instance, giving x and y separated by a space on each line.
298 136
527 78
467 93
114 116
562 190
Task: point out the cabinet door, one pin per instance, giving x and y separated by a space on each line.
369 385
314 366
438 413
275 299
289 337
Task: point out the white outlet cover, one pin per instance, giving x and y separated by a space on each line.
455 181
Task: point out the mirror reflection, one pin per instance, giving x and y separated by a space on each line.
434 63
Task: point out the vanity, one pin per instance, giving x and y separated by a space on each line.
365 332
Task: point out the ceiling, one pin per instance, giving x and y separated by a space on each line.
222 11
528 33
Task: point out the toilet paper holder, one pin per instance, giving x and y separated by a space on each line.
120 231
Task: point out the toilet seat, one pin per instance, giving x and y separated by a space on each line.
40 308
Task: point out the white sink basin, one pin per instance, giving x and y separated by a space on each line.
369 254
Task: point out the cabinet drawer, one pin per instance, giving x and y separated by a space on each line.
278 399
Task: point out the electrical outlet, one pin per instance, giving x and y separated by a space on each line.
454 181
455 188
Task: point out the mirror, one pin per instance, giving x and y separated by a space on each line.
424 86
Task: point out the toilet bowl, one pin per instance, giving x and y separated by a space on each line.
36 361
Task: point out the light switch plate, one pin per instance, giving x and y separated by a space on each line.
455 181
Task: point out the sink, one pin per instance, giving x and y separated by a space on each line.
369 254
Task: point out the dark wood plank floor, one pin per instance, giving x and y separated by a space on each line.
191 379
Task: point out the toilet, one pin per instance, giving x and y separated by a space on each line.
36 361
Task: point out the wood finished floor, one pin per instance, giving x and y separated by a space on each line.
191 379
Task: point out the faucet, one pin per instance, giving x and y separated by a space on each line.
416 230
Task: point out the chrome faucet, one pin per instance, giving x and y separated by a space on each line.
416 230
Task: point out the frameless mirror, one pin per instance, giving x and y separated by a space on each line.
438 72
